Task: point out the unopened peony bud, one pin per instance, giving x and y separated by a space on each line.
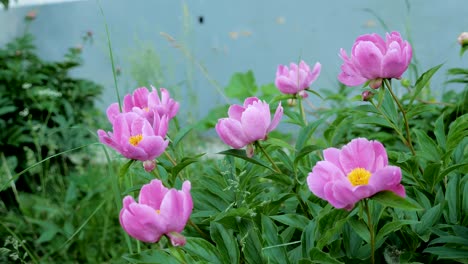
463 38
31 15
149 165
367 95
292 101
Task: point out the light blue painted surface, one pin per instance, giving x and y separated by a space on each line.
278 32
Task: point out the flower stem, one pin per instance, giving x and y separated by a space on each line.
198 229
170 158
371 230
408 142
258 145
301 109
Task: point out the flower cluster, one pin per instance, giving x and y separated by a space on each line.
139 131
357 171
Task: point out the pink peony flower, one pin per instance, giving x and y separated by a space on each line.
373 59
143 102
247 124
357 171
296 79
135 137
159 211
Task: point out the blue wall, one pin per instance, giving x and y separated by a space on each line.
236 36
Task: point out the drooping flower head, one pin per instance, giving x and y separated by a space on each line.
357 171
135 137
296 78
373 59
248 123
144 102
159 211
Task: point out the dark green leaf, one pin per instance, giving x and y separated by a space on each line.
390 199
239 153
151 256
274 251
294 220
321 257
305 134
422 81
184 163
360 228
198 247
448 253
226 243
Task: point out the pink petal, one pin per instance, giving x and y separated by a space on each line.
323 173
230 131
174 208
152 194
250 100
286 85
112 112
359 153
276 118
153 146
386 178
315 73
333 155
141 221
255 121
368 59
376 39
235 112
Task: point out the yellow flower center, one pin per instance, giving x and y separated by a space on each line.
134 140
158 211
359 176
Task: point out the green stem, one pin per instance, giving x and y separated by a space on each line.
207 237
371 230
408 140
301 109
258 145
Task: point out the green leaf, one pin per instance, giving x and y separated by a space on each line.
250 242
151 256
374 120
360 228
422 81
391 227
308 238
390 199
184 163
448 253
7 109
181 134
452 196
457 132
306 133
226 242
439 131
305 151
241 86
428 220
428 149
319 256
239 153
329 225
273 251
294 220
204 250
